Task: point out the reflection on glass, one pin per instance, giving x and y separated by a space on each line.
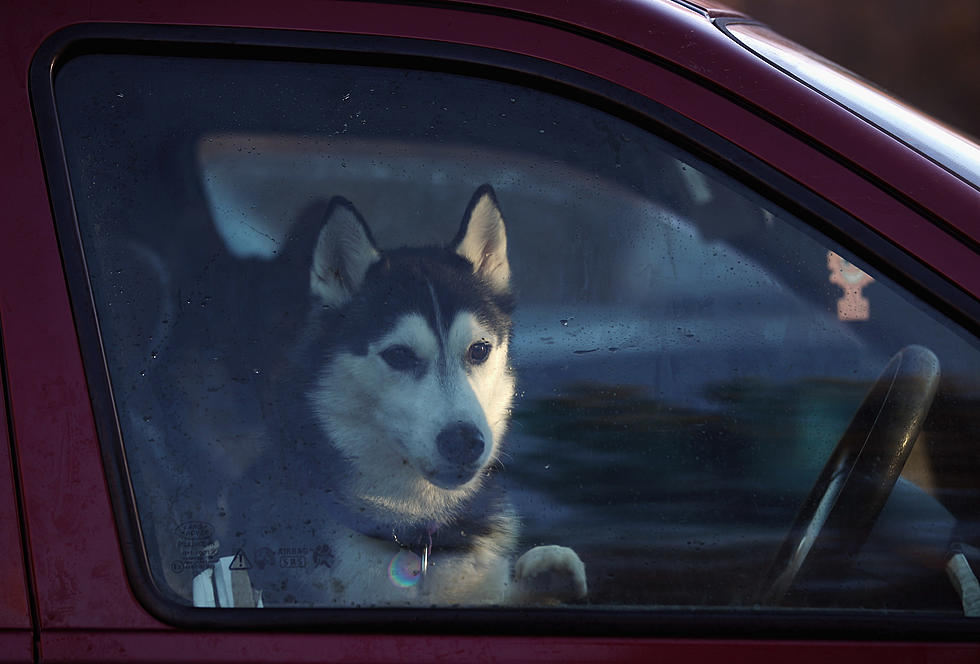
678 372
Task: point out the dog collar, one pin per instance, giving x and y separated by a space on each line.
482 515
425 547
409 565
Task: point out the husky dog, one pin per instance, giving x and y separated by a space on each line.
403 391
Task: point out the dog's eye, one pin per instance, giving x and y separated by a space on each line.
478 352
401 358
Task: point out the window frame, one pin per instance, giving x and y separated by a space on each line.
405 53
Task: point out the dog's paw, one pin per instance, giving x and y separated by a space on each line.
550 574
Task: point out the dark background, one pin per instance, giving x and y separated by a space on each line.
926 53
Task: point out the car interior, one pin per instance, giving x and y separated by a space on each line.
696 414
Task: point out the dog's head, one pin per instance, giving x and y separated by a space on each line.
415 387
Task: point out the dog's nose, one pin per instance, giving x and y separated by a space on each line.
461 443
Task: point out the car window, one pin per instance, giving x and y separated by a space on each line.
618 376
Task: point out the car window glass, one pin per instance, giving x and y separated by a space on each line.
648 363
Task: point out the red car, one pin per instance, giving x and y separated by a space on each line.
745 334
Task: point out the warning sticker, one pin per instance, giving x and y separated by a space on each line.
240 561
196 547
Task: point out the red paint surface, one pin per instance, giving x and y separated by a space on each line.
15 620
86 610
143 647
16 647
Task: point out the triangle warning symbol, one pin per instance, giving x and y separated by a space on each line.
240 561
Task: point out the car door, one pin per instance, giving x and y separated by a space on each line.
685 364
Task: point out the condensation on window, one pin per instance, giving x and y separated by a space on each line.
626 399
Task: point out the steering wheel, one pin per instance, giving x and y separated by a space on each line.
841 508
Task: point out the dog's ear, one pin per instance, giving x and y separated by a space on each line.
482 240
344 252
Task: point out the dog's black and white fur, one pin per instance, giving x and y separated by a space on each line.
398 400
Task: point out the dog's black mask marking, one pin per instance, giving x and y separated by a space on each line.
403 281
